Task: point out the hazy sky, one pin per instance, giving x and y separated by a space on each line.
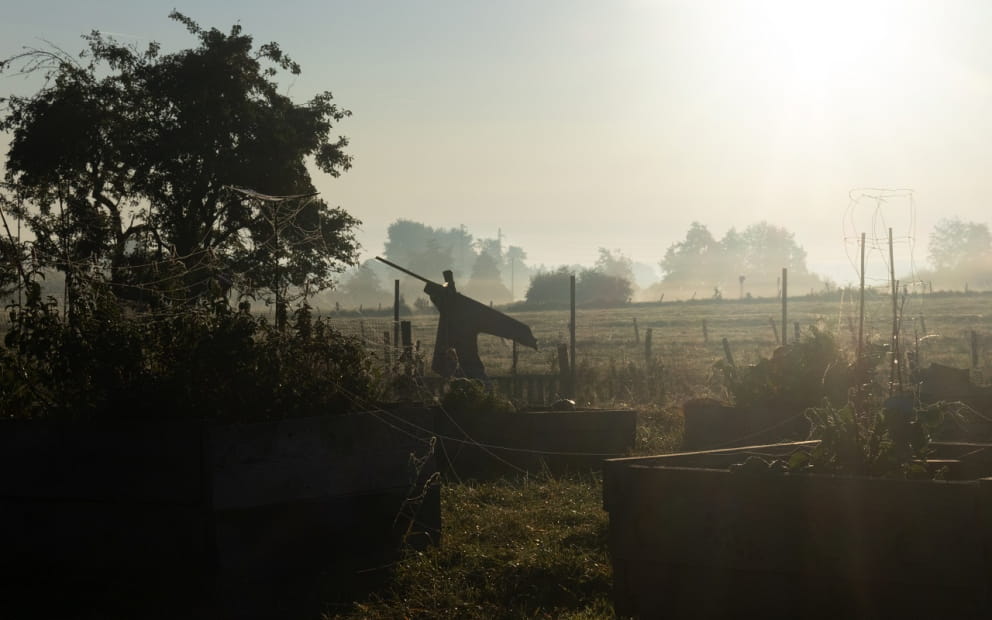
576 124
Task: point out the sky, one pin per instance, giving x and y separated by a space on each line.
571 125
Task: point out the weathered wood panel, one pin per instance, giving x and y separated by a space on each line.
239 509
689 541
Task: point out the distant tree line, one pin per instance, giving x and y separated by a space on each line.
740 264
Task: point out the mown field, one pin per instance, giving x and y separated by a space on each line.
537 548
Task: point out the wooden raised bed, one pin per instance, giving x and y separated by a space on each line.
690 539
207 510
487 445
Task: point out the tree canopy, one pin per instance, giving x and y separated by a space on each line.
701 263
954 243
125 159
961 255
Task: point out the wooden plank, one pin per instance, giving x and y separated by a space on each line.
128 460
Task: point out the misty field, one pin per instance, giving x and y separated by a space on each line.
687 337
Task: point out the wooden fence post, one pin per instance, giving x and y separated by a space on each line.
796 330
564 372
785 303
386 356
727 353
406 333
637 334
771 320
396 311
647 346
571 344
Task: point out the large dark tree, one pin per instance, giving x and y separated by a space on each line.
125 160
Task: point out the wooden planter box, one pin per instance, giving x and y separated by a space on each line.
223 509
690 539
487 445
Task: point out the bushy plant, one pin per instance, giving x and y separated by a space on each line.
208 361
797 376
891 440
471 396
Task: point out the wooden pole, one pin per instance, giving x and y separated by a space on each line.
861 304
974 349
396 311
706 333
564 372
895 371
859 394
386 352
795 326
785 312
727 353
406 334
647 346
771 320
637 334
571 335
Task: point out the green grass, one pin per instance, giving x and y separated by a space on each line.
524 548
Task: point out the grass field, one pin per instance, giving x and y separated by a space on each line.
536 548
939 326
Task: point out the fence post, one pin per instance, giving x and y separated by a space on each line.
727 353
387 358
706 332
396 311
647 346
637 334
785 303
406 333
974 349
564 372
795 326
771 320
571 329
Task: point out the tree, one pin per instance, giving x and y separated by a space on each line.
364 288
549 287
690 263
485 284
406 240
592 288
595 287
954 243
616 265
127 159
757 255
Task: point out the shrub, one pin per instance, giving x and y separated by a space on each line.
209 361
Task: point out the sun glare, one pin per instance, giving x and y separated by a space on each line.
825 46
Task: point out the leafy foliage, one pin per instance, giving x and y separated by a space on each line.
124 158
592 288
756 256
210 361
891 441
471 396
797 376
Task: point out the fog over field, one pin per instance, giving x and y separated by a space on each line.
572 125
